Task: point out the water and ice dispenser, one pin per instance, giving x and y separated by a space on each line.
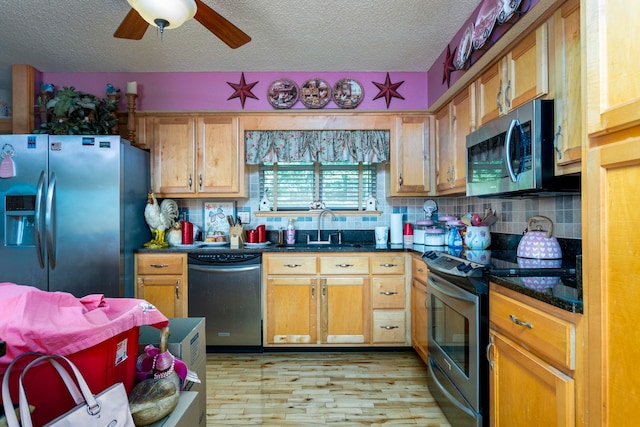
19 220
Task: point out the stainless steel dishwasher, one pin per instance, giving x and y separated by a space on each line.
224 288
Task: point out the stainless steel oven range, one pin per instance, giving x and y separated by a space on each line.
458 332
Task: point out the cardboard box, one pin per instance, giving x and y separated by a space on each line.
187 343
185 414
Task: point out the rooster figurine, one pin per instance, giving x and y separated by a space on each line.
160 217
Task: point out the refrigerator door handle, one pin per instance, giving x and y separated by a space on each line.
37 220
50 221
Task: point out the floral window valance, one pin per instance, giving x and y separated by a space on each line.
326 146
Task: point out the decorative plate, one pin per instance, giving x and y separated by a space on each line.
347 93
464 49
485 21
315 93
508 9
282 93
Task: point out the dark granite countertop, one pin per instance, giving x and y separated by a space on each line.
560 295
566 294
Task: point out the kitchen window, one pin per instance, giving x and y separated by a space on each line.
293 186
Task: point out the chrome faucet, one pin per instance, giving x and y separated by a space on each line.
333 218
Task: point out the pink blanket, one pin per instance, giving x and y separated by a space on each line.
60 323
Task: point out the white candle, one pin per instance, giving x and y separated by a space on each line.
132 87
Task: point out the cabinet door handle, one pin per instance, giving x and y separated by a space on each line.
324 287
555 142
519 322
159 265
388 293
292 265
344 265
489 352
177 289
453 176
507 101
200 181
313 289
388 265
389 327
419 270
400 180
190 182
498 101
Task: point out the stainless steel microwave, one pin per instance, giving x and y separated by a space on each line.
513 155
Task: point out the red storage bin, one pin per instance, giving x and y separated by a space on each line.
104 364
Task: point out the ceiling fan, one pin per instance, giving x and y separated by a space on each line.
172 14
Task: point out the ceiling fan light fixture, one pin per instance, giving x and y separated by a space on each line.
165 14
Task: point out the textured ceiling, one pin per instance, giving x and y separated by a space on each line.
287 35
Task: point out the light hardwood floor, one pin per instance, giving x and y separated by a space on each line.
318 388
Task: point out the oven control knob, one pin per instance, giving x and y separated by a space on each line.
431 255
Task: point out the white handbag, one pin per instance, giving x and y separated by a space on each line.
110 408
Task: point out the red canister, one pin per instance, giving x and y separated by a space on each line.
262 233
187 232
252 236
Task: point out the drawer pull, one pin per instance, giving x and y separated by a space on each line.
159 265
420 270
344 265
388 265
519 322
293 265
389 327
388 293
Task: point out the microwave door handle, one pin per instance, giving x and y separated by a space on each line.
507 149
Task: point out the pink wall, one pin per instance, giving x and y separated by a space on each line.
208 91
436 88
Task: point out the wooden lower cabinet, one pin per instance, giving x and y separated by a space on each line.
344 310
335 300
161 279
292 310
419 316
527 391
535 369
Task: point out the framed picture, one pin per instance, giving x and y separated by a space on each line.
215 218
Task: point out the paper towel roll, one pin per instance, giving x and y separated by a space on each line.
396 228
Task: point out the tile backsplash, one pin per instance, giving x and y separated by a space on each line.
513 214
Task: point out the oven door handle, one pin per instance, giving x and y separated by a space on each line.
464 408
451 293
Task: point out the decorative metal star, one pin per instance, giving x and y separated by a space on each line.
388 90
242 90
448 65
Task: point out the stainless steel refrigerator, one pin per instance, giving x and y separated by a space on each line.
72 212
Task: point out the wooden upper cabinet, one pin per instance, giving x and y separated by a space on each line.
220 156
520 76
197 156
411 157
612 65
568 97
453 123
173 168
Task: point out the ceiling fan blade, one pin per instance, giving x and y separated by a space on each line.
133 26
233 36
